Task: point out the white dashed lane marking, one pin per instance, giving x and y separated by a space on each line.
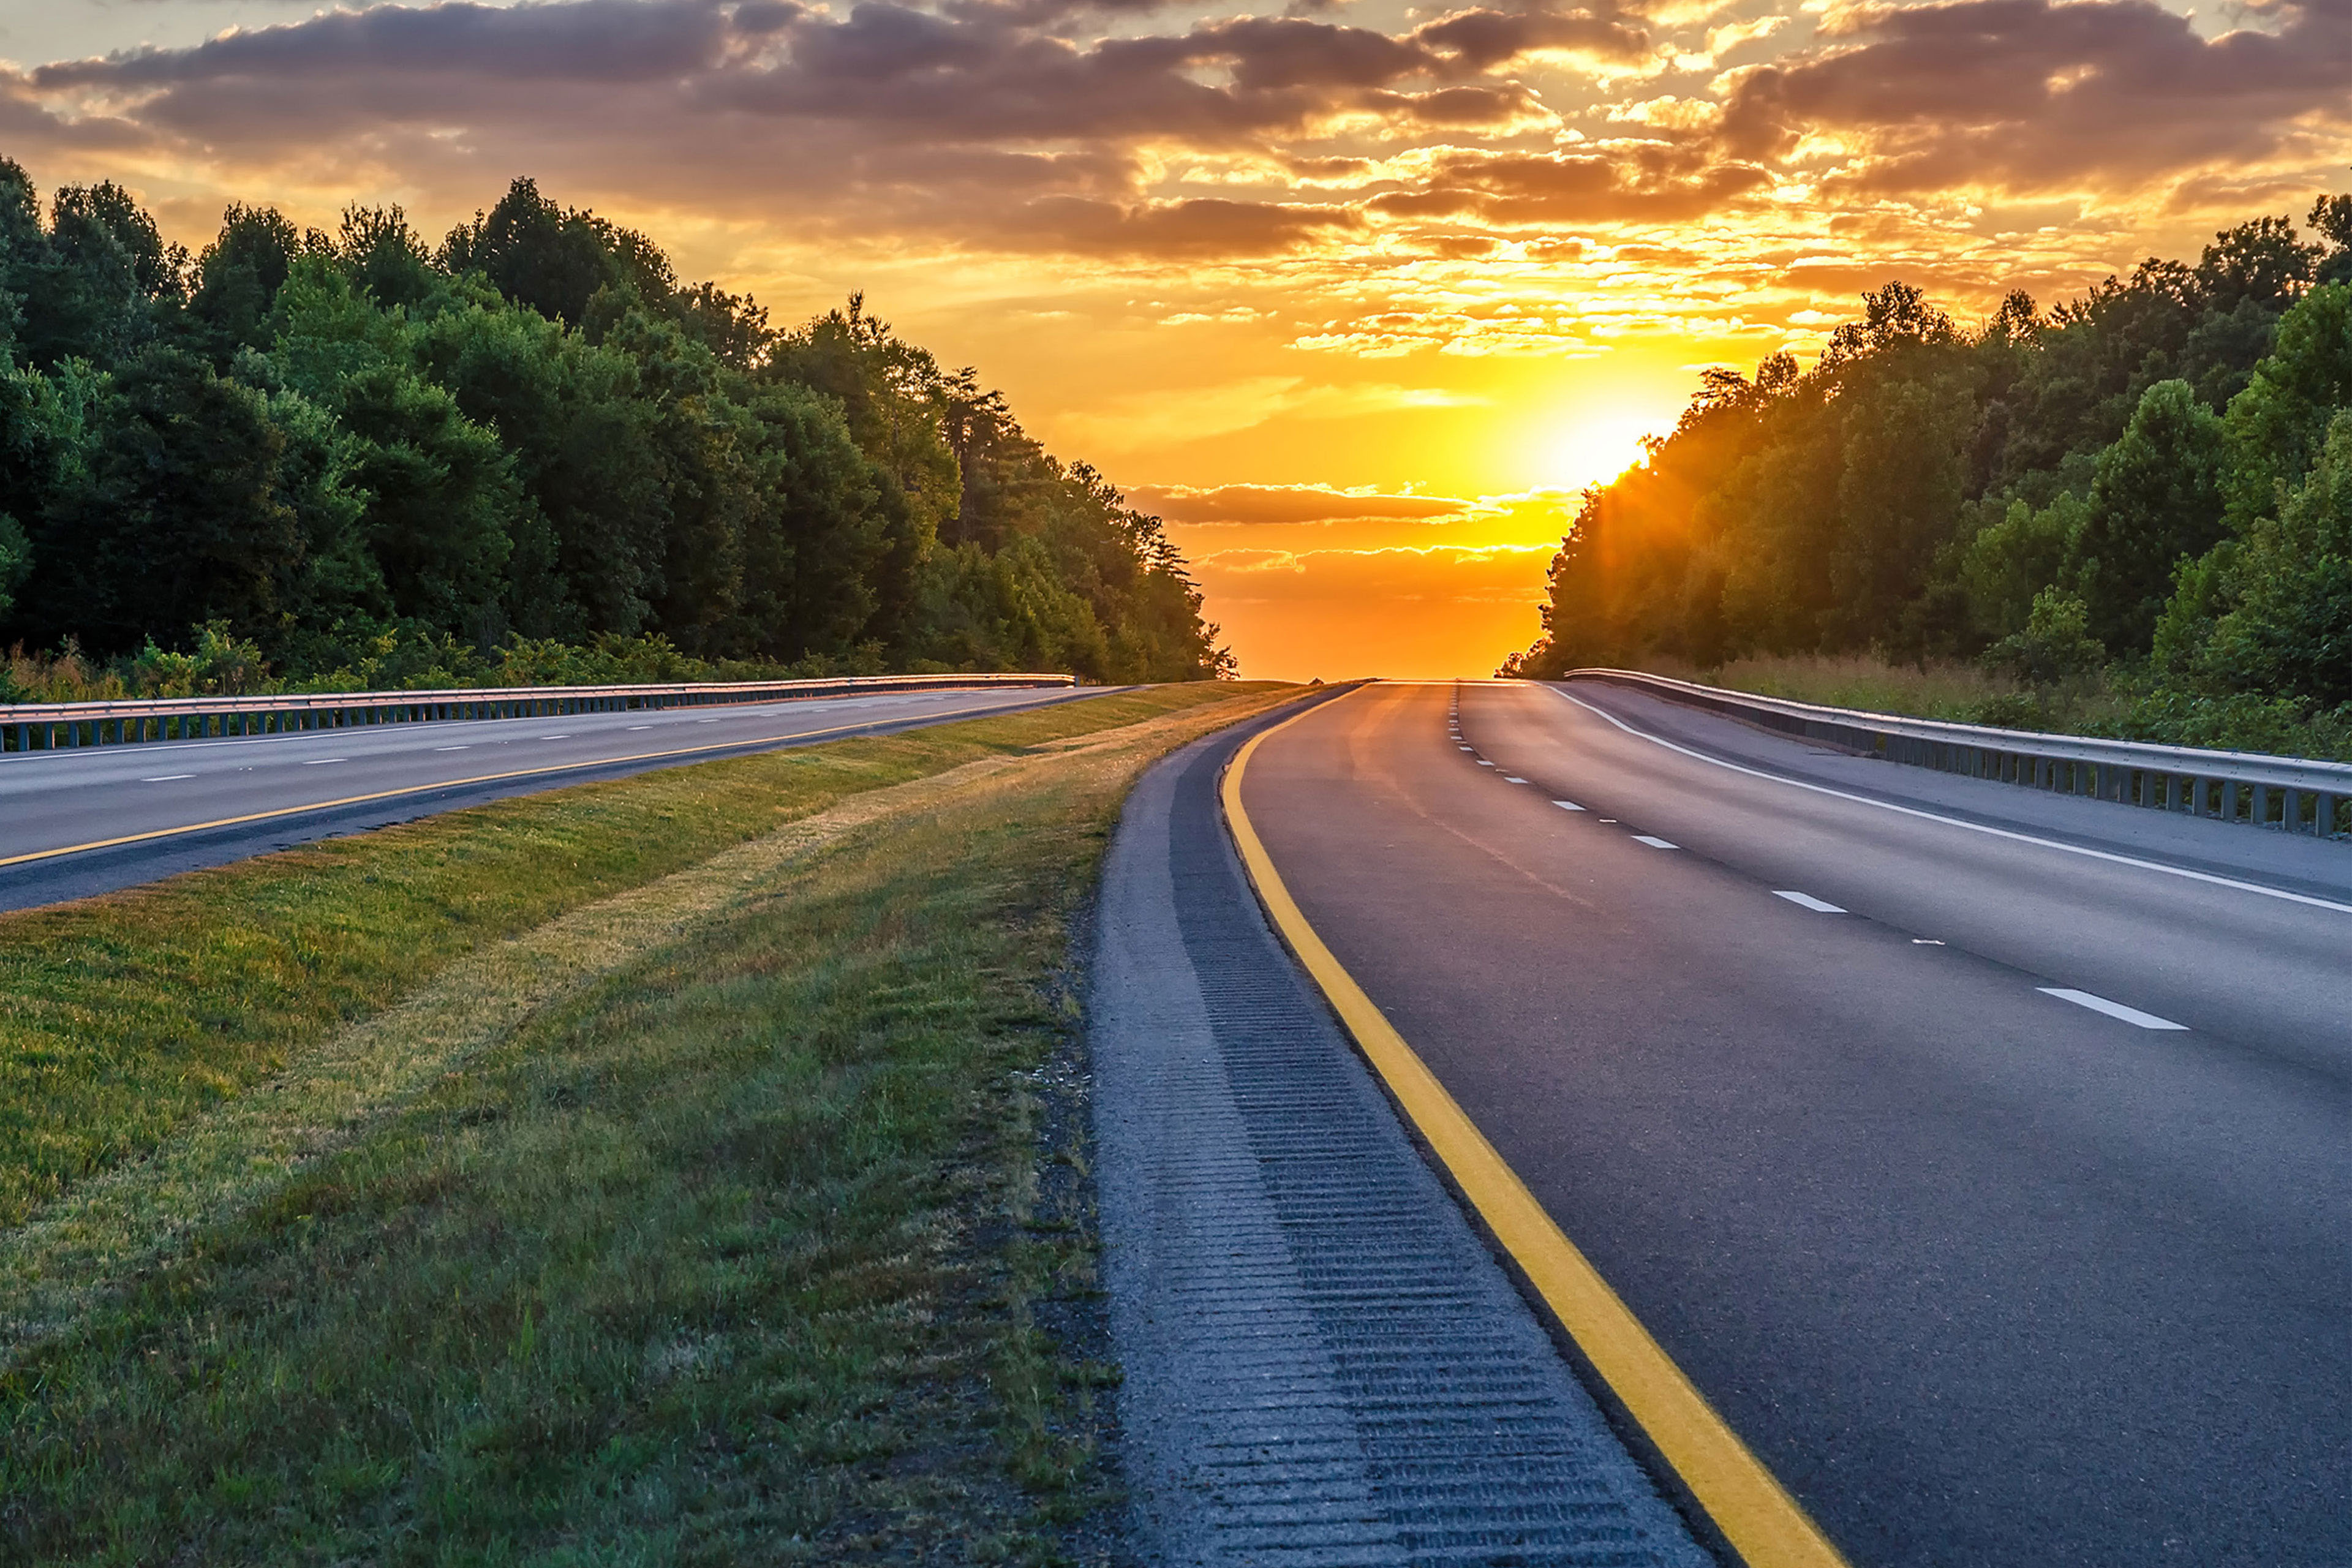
1654 843
166 778
1567 806
1508 779
1807 900
320 762
2131 1016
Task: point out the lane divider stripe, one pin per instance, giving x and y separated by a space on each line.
1768 1528
1806 900
444 784
2134 861
2111 1009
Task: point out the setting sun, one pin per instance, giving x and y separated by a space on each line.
1592 450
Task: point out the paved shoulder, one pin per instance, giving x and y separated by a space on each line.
1323 1363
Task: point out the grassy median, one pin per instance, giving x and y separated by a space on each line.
644 1172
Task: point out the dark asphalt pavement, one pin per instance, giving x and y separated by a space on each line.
306 782
1986 1274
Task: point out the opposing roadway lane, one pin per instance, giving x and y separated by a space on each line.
1990 1176
78 822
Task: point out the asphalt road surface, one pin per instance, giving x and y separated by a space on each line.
1983 1155
320 784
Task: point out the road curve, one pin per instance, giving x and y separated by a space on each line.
78 822
1982 1155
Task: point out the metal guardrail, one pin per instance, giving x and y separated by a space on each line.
2289 793
52 726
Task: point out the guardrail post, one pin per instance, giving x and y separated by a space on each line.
2322 820
2261 814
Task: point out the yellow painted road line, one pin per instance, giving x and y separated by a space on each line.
453 784
1767 1526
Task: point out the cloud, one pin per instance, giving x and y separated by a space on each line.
1157 414
1481 39
585 41
2034 96
1652 184
1289 504
1399 577
1197 227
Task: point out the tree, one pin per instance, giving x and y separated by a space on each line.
551 258
179 519
385 258
1898 498
2287 627
580 431
92 285
2262 262
2055 643
342 454
239 277
2007 566
2157 500
2276 426
2332 217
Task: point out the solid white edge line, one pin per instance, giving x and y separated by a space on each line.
1653 842
2111 1009
2110 857
1819 906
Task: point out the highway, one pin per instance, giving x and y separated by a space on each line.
78 822
1982 1155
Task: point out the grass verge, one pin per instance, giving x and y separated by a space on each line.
1961 693
2120 703
721 1246
129 1013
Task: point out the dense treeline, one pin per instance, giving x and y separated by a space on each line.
359 458
2148 489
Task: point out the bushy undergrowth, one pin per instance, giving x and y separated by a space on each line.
2122 703
223 664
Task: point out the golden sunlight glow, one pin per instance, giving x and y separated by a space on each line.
1362 339
1593 449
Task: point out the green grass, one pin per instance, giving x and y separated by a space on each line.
727 1253
1937 689
128 1014
2120 703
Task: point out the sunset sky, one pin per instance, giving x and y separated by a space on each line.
1355 294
